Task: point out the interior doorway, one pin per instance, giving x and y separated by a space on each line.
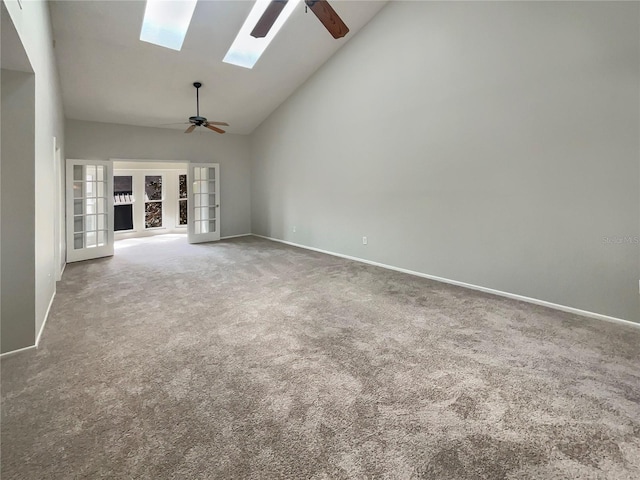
149 198
108 201
171 197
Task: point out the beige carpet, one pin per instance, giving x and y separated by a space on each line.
250 359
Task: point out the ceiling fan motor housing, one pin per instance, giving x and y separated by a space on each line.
197 120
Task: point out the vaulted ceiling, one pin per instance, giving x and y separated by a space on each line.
109 75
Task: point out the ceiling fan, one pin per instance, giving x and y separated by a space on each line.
199 121
325 13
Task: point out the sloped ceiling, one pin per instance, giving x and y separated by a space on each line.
109 75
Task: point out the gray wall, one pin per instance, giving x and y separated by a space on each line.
32 26
17 210
103 141
493 143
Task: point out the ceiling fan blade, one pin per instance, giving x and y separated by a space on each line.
225 124
215 129
268 18
190 129
328 16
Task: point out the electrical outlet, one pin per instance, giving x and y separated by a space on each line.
364 240
294 229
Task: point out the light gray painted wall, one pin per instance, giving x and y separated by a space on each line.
104 141
17 210
493 143
33 26
30 24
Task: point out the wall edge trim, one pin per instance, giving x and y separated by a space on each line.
46 317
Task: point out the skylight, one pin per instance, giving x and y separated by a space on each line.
166 22
246 50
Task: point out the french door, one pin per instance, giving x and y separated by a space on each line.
204 202
89 195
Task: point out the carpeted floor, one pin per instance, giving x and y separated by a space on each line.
248 359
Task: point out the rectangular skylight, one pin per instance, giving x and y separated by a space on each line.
245 49
166 22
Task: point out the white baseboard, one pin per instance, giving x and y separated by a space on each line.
46 317
555 306
19 350
236 236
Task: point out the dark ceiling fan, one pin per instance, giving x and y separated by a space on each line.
199 121
325 13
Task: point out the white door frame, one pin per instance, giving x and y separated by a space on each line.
58 213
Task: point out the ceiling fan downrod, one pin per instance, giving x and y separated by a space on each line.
197 85
199 121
